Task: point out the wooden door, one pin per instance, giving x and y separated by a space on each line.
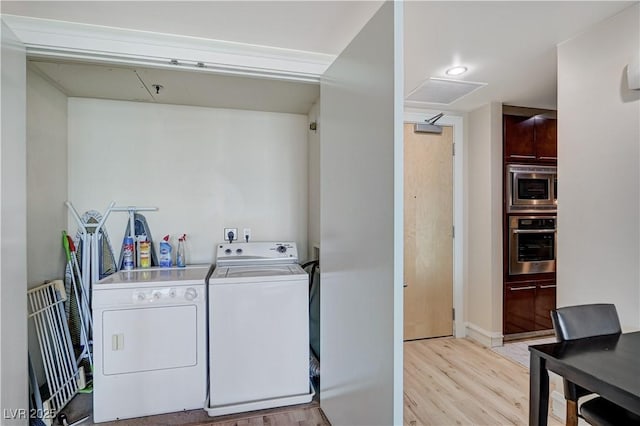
428 228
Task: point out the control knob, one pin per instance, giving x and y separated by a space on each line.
141 296
281 249
239 251
227 251
190 293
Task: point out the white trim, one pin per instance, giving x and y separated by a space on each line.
398 222
482 336
241 407
415 116
68 40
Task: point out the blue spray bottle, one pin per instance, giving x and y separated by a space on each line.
165 252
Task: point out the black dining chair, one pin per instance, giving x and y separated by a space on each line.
579 322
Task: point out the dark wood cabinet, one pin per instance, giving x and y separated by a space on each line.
527 306
545 302
519 308
546 138
519 137
529 138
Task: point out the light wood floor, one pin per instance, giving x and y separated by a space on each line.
299 415
451 381
308 416
447 382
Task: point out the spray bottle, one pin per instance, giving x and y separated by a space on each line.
128 257
165 252
180 259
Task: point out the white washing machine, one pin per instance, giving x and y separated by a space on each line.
258 328
149 342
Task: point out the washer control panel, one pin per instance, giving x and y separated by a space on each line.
230 254
166 295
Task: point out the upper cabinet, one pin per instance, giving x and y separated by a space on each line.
529 136
545 131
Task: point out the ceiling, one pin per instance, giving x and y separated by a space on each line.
77 79
508 46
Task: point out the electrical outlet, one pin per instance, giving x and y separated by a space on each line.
234 235
247 234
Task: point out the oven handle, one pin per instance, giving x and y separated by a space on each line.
532 231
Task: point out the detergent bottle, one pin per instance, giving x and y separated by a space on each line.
144 252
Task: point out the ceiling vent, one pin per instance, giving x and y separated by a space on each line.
442 91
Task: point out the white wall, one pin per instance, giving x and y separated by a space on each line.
484 224
13 233
204 168
46 168
361 219
314 179
598 168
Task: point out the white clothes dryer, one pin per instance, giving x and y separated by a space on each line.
149 342
258 328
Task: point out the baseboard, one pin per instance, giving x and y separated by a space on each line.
482 336
529 335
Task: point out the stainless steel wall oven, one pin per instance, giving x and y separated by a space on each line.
532 244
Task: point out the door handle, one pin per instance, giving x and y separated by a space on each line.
533 231
529 287
548 286
405 284
117 342
521 156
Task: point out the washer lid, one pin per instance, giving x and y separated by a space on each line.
227 274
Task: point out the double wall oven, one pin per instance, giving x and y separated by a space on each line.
531 208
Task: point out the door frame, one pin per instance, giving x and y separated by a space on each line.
414 115
14 388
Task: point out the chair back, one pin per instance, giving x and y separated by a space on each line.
578 322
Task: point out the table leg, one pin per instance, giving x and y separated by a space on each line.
538 391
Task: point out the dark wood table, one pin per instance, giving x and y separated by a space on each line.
607 365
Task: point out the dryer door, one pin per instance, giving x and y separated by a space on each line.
135 340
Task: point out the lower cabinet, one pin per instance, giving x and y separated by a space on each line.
545 302
527 306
